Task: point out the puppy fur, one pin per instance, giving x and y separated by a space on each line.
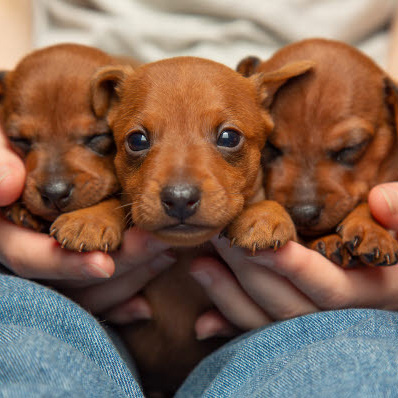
189 134
335 137
68 152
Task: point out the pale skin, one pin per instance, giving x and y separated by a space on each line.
251 292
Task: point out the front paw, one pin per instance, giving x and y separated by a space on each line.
82 231
263 225
332 247
20 215
366 239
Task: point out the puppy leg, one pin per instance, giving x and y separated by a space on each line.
98 227
262 225
364 237
20 215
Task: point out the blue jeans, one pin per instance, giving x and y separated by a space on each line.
50 347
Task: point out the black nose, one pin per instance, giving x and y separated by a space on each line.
305 215
180 201
56 194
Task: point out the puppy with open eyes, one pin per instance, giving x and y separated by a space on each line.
189 134
335 137
45 109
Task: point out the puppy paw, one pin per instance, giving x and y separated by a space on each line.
332 247
20 215
369 241
82 231
263 225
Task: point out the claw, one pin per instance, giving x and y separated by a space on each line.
376 253
223 233
81 247
22 218
232 243
254 248
53 232
106 248
64 242
277 245
339 228
388 259
356 241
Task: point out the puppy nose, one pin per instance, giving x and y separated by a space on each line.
56 194
180 201
305 215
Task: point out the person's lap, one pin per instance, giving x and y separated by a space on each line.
49 346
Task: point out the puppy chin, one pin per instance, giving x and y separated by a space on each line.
186 235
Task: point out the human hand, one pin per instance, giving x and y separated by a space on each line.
293 281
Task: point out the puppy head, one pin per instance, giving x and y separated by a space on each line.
46 111
189 134
334 133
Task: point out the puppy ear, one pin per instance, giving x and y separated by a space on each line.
3 75
105 86
391 99
269 83
248 66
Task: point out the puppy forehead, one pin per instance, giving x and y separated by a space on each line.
184 88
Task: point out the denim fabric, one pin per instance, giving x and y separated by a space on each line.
50 347
348 353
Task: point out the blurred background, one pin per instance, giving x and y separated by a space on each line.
222 30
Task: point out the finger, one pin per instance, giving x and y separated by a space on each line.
34 255
134 309
276 295
213 324
227 295
327 284
139 247
102 297
383 204
12 173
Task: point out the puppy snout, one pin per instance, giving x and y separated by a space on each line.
305 215
180 201
56 194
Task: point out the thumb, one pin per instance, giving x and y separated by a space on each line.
383 204
12 173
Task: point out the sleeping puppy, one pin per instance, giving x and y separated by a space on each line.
46 112
335 138
189 134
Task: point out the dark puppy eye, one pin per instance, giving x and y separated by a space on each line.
137 141
102 144
271 152
229 139
21 144
349 154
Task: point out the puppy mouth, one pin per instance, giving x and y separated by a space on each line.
185 228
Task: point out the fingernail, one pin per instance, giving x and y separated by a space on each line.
140 315
215 333
94 271
4 173
202 277
266 259
162 262
391 197
154 245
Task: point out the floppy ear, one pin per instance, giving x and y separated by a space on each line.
269 83
391 99
3 75
105 87
248 66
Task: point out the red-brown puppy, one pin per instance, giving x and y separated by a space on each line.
46 111
335 138
189 134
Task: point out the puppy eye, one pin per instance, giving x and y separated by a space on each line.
350 154
22 144
271 152
102 144
137 142
229 139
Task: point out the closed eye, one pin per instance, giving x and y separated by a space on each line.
271 152
102 144
349 155
22 144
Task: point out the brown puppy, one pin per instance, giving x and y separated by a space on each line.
46 111
335 138
189 134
